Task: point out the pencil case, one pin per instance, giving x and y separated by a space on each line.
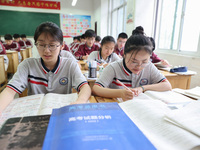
178 69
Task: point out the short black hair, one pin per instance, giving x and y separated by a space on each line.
90 33
138 42
98 38
83 36
51 29
16 36
122 35
23 36
8 37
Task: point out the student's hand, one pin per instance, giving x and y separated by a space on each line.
126 94
137 90
85 57
165 62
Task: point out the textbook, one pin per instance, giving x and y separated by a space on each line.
94 126
24 133
187 117
194 92
39 104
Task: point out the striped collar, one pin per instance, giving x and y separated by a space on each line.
56 68
100 57
125 69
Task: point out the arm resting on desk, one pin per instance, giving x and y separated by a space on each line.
5 98
84 94
162 86
112 93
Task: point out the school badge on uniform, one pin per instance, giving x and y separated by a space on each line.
143 82
63 81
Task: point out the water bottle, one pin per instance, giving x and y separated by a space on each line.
92 69
100 70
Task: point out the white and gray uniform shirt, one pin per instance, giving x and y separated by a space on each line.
32 74
67 54
118 70
96 55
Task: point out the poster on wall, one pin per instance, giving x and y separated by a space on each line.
74 25
130 12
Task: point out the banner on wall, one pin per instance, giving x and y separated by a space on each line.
74 25
32 4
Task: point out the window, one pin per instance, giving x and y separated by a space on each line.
118 17
178 26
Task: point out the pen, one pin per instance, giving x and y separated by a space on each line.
124 86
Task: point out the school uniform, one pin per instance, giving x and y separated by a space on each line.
84 50
66 48
29 43
118 70
67 54
154 58
3 53
74 47
22 44
96 55
119 51
33 74
1 41
14 47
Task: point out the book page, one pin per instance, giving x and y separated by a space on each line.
140 96
168 96
148 115
194 91
52 101
187 117
181 91
24 106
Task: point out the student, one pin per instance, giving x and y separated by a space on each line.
66 48
3 52
105 55
11 45
121 40
98 40
135 70
21 43
85 49
27 41
75 44
50 73
154 58
82 37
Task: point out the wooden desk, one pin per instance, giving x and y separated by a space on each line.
178 81
23 53
13 61
29 52
82 63
3 79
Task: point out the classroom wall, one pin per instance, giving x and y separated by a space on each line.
83 7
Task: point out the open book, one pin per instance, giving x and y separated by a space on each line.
187 117
194 92
149 115
36 105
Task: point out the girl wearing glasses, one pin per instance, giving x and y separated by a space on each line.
49 73
135 71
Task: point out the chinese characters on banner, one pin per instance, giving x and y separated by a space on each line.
32 4
74 25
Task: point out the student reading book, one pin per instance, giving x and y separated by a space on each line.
134 71
48 74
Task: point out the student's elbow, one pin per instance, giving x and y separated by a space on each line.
96 90
168 85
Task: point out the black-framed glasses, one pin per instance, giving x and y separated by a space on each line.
51 47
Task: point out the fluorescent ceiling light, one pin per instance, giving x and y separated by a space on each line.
74 2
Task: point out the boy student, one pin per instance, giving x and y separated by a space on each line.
27 41
135 71
82 37
121 40
86 48
21 43
74 45
12 45
3 52
50 73
105 54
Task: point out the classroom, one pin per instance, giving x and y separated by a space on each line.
86 61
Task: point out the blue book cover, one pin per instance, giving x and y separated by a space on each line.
93 126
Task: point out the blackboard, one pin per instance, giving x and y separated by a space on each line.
12 22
